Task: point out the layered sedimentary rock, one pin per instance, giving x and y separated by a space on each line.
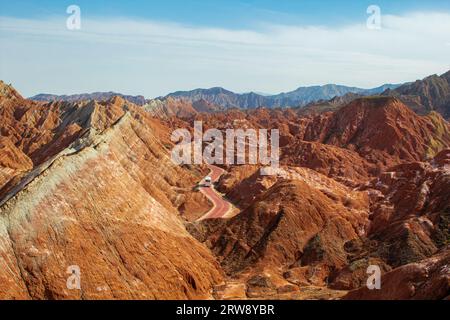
426 95
381 130
91 185
428 279
382 198
303 219
105 201
13 162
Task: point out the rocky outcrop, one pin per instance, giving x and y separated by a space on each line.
410 204
303 219
381 130
90 185
426 95
106 202
381 197
341 164
425 280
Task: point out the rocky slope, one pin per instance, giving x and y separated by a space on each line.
354 143
91 184
106 201
290 215
302 229
178 108
381 130
13 162
425 280
424 96
222 97
376 192
305 95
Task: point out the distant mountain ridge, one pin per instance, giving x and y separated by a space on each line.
224 98
98 96
299 97
429 94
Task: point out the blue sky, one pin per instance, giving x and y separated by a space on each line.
224 13
155 47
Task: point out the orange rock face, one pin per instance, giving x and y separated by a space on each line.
302 220
13 162
377 192
88 192
105 202
426 280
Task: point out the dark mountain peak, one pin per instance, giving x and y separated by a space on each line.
219 90
446 76
209 91
253 94
432 77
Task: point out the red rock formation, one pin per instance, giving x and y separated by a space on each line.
425 280
341 164
13 162
301 220
410 203
106 201
382 130
354 143
243 183
376 145
92 184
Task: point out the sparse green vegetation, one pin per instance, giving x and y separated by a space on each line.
435 144
314 251
358 264
442 235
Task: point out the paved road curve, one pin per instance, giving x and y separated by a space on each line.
220 206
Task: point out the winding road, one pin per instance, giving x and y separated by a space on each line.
221 207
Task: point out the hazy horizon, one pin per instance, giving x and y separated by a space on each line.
153 49
193 89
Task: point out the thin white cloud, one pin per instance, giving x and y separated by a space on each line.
154 58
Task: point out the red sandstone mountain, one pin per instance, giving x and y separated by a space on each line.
103 197
303 228
92 184
425 280
383 202
178 108
373 133
13 162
